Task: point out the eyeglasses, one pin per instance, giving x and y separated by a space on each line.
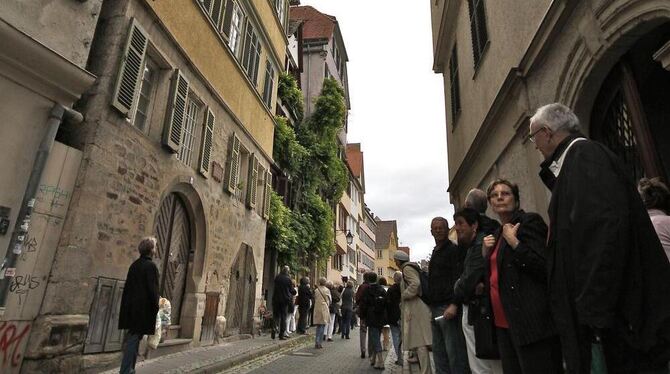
531 137
499 194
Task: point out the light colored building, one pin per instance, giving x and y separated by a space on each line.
43 72
176 143
607 59
386 245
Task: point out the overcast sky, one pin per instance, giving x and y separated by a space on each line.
397 112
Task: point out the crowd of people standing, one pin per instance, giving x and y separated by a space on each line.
585 293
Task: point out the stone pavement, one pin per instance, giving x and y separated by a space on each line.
217 358
338 356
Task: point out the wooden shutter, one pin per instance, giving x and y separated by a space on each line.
252 182
98 321
130 69
206 146
114 338
174 124
233 167
266 194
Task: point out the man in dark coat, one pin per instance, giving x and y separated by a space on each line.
139 303
304 301
282 297
358 299
609 279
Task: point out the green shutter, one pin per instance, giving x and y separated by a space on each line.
252 182
130 69
233 165
266 194
206 146
174 121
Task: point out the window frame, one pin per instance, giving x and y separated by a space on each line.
152 94
191 123
237 30
269 80
478 31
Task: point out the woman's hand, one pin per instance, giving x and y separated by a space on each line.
487 244
509 233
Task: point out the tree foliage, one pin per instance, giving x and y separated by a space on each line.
291 95
310 155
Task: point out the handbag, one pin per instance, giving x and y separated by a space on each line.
486 344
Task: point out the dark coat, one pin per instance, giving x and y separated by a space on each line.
607 268
487 225
373 316
139 302
473 272
283 290
393 310
335 298
348 299
304 296
444 269
522 280
358 299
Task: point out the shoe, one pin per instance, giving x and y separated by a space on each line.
379 361
282 338
363 354
330 339
347 337
272 335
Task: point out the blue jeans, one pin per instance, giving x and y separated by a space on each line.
374 334
132 345
320 330
396 333
345 322
449 350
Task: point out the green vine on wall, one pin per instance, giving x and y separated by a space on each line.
310 155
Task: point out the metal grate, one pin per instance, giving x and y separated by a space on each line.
619 137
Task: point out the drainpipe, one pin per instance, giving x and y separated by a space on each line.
56 116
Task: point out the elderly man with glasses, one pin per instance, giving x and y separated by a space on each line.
609 279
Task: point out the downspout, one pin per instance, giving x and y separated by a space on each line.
56 116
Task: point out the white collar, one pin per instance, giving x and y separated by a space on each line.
556 166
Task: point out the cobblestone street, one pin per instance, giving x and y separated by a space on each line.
338 356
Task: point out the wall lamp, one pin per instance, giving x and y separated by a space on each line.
348 235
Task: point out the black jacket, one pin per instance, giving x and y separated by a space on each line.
487 225
522 281
473 272
348 298
445 267
304 296
606 266
335 298
139 302
374 316
283 290
393 310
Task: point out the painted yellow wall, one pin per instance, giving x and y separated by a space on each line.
187 23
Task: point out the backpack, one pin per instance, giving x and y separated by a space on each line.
378 308
423 279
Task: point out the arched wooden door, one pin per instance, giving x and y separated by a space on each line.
242 293
174 251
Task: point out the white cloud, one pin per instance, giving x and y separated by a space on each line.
397 112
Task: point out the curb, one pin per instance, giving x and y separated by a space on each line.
231 362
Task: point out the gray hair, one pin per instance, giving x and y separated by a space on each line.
147 245
285 269
557 117
476 200
397 277
323 281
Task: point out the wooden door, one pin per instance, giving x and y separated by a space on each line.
209 317
174 251
242 292
618 121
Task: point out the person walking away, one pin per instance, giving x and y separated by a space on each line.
358 298
466 222
290 318
139 303
416 315
386 330
347 309
446 265
304 301
517 279
281 299
335 299
321 318
656 199
393 314
374 301
609 278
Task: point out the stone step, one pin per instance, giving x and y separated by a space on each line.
169 346
172 332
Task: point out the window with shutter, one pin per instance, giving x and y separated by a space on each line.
267 193
186 148
145 96
206 146
215 11
454 86
251 54
130 69
269 84
232 169
236 28
252 182
478 29
174 125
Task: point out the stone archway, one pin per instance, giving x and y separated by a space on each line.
241 293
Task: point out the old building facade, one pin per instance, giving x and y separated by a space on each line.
176 142
608 60
386 246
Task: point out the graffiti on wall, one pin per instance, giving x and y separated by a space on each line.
13 338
